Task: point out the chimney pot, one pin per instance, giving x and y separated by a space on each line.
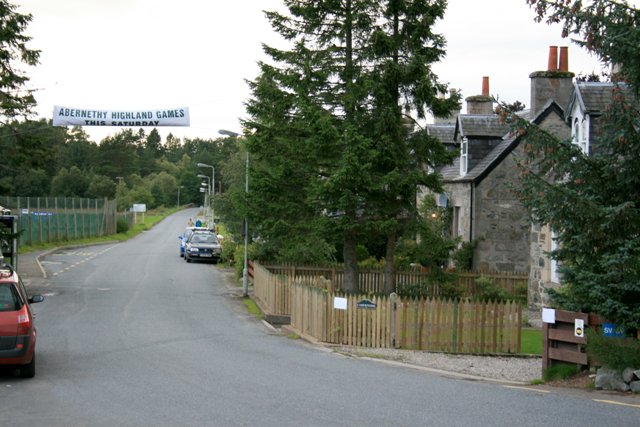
553 59
564 59
485 86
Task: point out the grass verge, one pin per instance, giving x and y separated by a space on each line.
253 308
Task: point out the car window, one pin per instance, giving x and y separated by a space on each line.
9 298
204 238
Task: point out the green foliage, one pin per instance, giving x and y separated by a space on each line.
15 98
591 201
329 140
614 353
122 225
489 290
229 248
560 371
463 255
609 29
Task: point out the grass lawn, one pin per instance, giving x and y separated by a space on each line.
531 341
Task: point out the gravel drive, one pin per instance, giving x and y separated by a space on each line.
505 368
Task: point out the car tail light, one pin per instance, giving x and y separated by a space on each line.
24 321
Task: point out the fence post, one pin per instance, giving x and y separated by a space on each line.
392 321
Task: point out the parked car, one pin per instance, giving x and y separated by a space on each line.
203 245
186 234
17 329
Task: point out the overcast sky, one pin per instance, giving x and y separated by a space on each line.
155 54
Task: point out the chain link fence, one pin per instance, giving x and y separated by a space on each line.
52 219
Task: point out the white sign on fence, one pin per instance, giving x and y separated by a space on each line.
339 303
548 315
579 328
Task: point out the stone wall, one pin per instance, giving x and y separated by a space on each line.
501 223
540 274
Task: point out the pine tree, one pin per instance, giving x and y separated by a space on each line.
15 99
592 201
327 115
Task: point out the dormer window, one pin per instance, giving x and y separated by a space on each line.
464 156
580 134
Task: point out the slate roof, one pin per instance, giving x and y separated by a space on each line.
480 125
593 97
444 132
451 173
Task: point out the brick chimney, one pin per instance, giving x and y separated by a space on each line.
555 83
481 104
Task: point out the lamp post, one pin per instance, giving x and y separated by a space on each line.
207 194
212 193
179 187
245 277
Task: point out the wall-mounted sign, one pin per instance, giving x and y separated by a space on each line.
67 116
365 303
579 328
548 315
339 303
613 331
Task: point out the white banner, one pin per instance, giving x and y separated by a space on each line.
65 116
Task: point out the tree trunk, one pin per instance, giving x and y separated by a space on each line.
350 281
389 265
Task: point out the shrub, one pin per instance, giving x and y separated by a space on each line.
122 226
228 251
489 290
614 353
560 371
463 256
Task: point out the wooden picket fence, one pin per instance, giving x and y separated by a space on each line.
418 324
371 281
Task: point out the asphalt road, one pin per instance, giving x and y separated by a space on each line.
131 335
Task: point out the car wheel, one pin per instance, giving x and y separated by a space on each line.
29 370
187 258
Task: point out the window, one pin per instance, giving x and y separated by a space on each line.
555 278
584 136
9 298
464 156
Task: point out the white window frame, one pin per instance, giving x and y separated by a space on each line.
464 156
555 277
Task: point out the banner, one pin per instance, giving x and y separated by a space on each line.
65 116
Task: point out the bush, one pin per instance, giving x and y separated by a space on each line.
560 371
463 256
489 290
122 226
229 251
614 353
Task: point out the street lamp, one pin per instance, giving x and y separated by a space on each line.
213 188
207 194
245 270
179 187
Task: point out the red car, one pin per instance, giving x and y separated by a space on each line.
17 331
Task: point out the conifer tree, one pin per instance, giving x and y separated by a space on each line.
15 98
329 111
592 201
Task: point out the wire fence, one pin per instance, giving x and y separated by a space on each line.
53 219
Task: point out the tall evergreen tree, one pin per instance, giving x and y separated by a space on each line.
592 201
334 103
15 98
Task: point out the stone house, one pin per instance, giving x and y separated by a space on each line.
477 184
